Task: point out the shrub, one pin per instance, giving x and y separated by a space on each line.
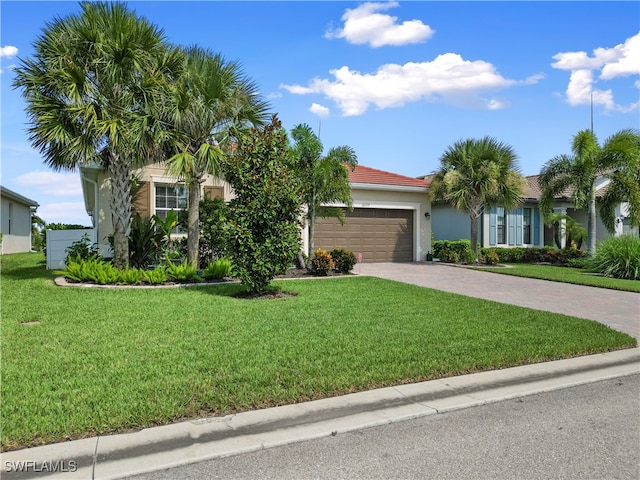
264 216
343 259
213 216
453 251
321 262
490 257
618 257
82 249
219 269
185 272
582 262
156 276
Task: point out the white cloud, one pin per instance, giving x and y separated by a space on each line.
620 61
364 25
274 95
64 212
51 183
496 104
8 51
447 78
319 110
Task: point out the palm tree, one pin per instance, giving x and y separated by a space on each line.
624 185
325 179
475 175
576 174
204 108
86 89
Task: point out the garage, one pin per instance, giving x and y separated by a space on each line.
381 235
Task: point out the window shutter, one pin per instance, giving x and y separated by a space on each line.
213 192
536 227
492 226
511 227
141 201
518 216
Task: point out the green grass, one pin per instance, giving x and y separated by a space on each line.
79 362
565 275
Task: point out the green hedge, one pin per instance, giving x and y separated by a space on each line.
534 254
453 251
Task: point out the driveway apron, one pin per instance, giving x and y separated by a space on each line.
620 310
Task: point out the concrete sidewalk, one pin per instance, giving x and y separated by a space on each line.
152 449
620 310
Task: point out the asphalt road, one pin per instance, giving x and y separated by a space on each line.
586 432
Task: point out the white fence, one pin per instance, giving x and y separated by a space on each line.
59 240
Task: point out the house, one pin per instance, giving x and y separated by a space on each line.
388 222
15 224
523 226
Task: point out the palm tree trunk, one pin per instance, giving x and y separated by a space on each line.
193 223
312 228
120 209
474 235
591 222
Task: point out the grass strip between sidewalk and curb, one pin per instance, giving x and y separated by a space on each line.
553 273
84 362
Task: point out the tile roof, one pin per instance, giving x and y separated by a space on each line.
532 189
362 174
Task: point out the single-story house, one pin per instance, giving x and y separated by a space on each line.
389 223
15 227
523 226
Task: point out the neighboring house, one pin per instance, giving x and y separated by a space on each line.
15 224
523 226
388 222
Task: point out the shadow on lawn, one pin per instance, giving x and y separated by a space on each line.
29 272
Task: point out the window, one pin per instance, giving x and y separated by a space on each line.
501 225
526 226
170 197
10 218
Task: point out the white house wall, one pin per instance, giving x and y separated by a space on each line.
19 240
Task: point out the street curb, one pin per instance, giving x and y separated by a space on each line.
156 448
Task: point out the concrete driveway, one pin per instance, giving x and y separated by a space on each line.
619 310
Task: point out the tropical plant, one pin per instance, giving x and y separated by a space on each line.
575 175
343 259
618 257
38 232
156 276
88 88
184 272
146 242
130 276
574 232
475 175
219 269
322 263
325 179
263 219
204 107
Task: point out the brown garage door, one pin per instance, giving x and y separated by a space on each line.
381 235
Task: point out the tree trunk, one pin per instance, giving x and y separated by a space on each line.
193 223
312 228
474 236
591 222
120 209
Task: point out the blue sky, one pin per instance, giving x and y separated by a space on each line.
397 81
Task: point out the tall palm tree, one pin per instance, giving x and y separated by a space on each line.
86 89
476 174
576 173
204 108
325 179
624 185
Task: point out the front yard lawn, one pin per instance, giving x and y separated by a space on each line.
78 362
566 275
